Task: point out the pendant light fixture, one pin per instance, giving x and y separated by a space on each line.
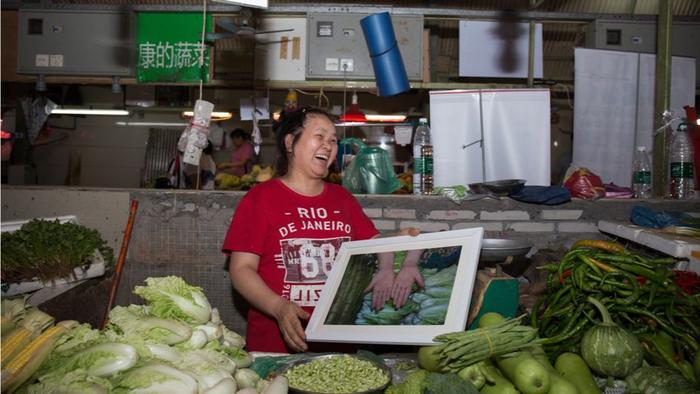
353 113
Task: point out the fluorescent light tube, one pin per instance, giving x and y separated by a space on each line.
152 124
89 111
215 116
385 118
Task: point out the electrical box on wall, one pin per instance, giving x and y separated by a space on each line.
337 47
75 43
640 36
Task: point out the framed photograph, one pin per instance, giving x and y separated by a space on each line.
447 262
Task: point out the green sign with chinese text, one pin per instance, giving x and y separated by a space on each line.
169 47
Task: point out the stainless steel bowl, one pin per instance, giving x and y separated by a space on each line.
502 187
382 367
496 251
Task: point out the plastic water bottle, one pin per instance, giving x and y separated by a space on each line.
422 159
681 168
641 174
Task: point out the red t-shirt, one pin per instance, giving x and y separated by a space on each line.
244 152
297 238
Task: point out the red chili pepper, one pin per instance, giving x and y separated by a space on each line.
642 280
688 281
564 275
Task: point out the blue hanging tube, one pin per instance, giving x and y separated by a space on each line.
389 70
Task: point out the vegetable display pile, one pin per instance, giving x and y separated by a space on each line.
49 250
337 374
461 349
644 312
176 343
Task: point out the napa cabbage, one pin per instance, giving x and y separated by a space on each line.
77 381
125 322
171 297
156 378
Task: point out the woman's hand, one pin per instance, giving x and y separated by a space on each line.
289 315
409 274
412 231
381 286
404 283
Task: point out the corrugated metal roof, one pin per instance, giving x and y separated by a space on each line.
634 7
560 37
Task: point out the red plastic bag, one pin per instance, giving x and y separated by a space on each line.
582 183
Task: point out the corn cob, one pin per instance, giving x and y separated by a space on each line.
13 343
28 361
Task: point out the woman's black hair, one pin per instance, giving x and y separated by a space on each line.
292 123
238 132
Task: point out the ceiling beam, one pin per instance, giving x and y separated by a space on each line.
303 8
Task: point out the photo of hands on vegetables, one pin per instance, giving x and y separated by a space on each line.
408 287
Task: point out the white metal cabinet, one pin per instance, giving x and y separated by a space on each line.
487 135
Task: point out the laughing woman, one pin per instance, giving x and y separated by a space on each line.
286 232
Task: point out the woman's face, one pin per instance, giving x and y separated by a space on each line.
315 149
237 141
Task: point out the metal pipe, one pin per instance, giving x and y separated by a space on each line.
531 56
662 99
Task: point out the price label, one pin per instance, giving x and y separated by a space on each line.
402 134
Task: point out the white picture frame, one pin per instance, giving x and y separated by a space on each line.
468 244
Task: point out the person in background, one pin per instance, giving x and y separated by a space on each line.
184 176
243 155
285 234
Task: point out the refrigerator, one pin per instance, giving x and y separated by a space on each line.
490 134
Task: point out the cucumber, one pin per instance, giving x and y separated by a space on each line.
572 367
348 298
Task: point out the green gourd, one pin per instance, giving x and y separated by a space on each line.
572 367
610 349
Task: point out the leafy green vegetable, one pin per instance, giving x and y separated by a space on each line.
246 378
49 250
13 310
448 383
171 297
70 343
240 357
205 369
657 380
412 385
156 378
125 321
77 381
442 278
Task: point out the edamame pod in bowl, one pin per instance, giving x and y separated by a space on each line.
337 374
